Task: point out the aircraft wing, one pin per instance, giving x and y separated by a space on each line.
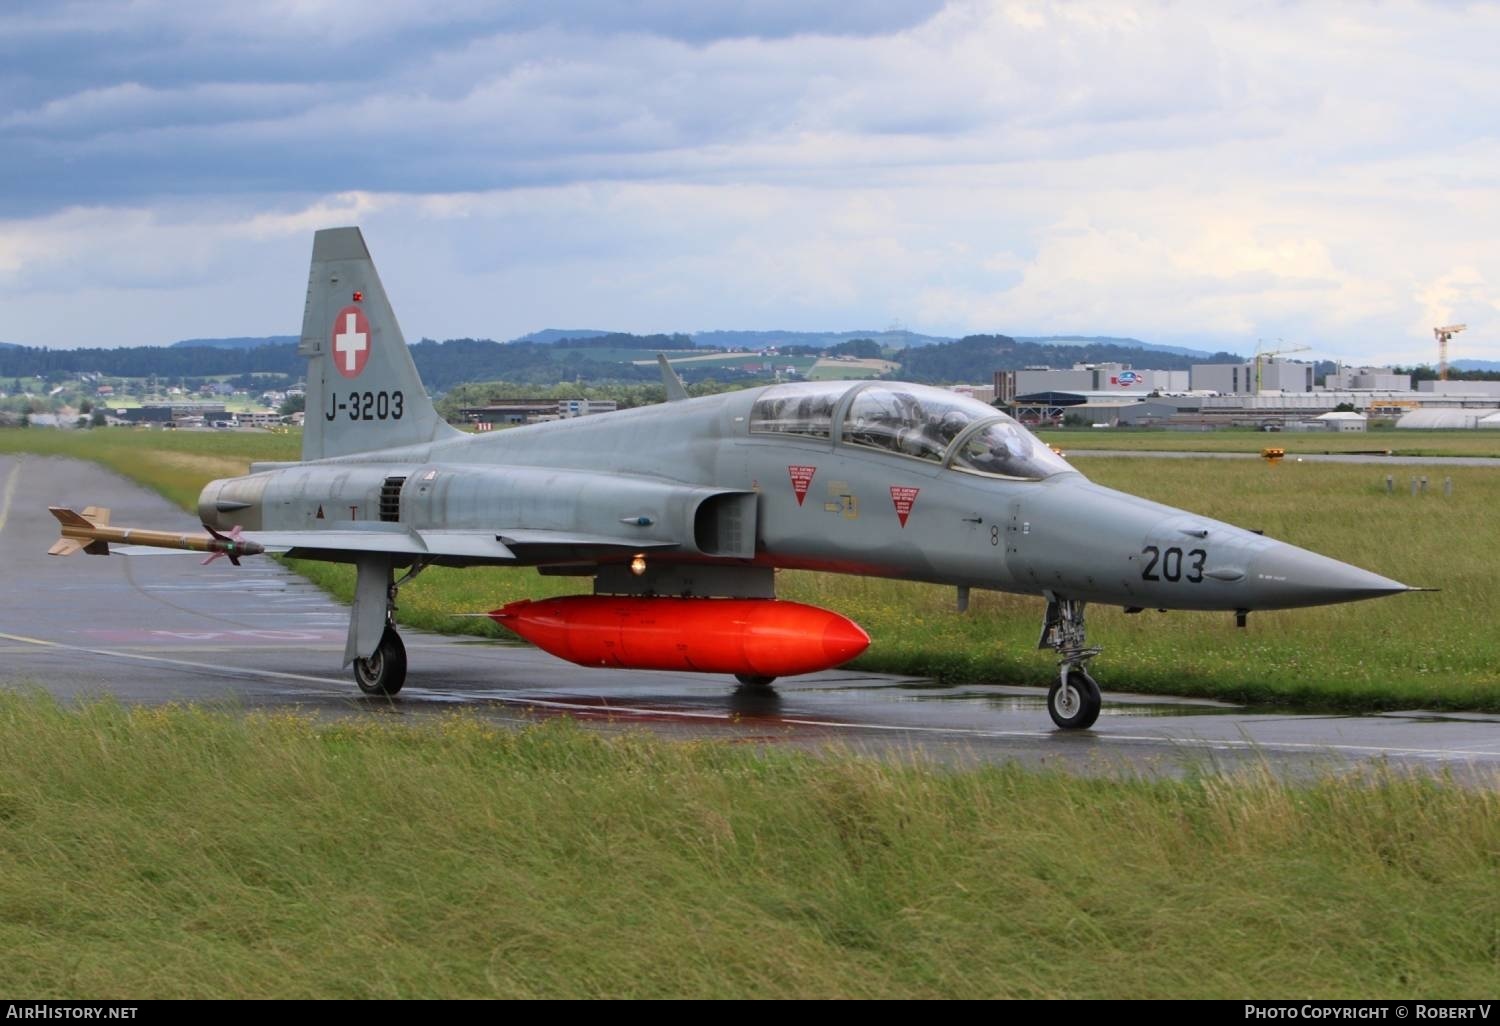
91 532
522 547
397 542
568 546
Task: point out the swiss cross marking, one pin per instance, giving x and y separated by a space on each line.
351 341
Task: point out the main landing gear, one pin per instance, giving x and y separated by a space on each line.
1074 699
384 672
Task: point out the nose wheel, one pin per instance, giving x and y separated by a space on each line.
1073 701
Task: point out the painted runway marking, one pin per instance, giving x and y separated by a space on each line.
211 667
10 492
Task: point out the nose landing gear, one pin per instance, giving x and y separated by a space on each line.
1074 699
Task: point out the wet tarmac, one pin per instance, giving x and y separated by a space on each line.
157 629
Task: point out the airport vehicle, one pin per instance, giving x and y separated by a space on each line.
679 514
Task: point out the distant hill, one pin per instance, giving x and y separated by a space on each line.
608 357
11 345
1476 365
144 361
812 339
1124 343
234 343
549 335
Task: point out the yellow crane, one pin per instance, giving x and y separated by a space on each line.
1442 335
1261 353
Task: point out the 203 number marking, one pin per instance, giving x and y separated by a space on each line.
367 406
1170 564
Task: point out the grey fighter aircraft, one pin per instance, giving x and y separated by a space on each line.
679 514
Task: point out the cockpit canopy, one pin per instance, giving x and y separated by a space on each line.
913 420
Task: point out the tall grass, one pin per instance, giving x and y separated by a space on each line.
161 852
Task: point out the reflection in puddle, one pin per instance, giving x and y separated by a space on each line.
1037 702
755 702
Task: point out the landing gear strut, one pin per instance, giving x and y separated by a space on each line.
1074 699
384 672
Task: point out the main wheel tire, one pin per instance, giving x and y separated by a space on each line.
1074 704
385 671
751 680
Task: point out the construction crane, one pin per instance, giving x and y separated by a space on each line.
1262 353
1442 335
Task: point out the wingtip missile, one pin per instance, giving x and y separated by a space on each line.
91 532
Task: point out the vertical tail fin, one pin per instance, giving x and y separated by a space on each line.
363 391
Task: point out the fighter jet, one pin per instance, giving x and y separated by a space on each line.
675 517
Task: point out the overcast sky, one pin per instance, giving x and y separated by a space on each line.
1199 174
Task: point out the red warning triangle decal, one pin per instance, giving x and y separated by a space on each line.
801 478
903 498
320 511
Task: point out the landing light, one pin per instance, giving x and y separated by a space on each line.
638 564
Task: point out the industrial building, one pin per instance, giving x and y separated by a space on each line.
1224 395
1248 379
1104 378
534 411
185 412
1373 379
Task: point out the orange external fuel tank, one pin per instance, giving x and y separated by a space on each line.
755 637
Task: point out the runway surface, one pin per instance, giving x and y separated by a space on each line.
162 629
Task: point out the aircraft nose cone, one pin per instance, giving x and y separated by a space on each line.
1286 576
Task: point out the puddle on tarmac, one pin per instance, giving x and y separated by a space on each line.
1011 700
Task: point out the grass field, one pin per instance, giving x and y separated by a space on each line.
841 370
1399 443
179 853
175 463
1409 651
736 361
176 853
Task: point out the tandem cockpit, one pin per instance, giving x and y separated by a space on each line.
923 423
